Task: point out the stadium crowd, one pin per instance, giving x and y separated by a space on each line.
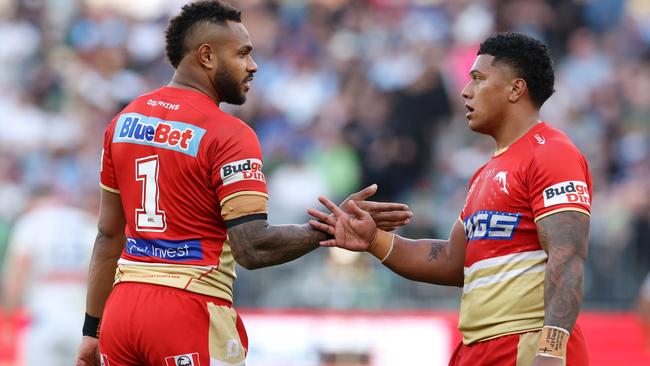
348 93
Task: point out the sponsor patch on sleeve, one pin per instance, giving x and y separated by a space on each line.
571 191
245 169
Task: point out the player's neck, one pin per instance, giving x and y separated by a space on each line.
182 80
514 127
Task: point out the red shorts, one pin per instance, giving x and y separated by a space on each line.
147 324
516 350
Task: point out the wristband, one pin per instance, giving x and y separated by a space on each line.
553 342
382 245
91 326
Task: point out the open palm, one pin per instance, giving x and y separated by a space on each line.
354 231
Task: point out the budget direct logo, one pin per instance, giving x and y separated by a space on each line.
246 169
172 135
571 191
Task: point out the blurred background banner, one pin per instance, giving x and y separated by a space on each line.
309 338
357 338
348 93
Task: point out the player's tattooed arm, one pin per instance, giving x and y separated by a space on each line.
436 247
564 236
435 261
256 244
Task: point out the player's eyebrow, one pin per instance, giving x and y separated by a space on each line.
246 48
475 73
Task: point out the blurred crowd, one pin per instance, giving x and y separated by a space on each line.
348 93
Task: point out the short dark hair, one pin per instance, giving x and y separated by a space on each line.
208 11
528 57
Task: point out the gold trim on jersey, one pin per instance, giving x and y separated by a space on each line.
207 280
562 210
503 295
243 193
490 271
109 189
244 205
500 151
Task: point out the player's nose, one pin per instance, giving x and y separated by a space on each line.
466 92
252 66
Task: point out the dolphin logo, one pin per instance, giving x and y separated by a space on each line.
500 178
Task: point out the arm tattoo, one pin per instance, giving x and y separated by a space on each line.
565 236
436 247
257 244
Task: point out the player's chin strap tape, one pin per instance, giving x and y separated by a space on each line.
553 342
91 326
240 220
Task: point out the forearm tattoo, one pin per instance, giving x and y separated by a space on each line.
257 244
436 248
565 235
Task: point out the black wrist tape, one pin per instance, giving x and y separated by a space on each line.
91 326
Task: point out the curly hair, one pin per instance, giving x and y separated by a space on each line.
528 57
210 11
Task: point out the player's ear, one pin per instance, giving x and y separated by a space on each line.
206 56
517 90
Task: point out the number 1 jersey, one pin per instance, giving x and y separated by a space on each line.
175 158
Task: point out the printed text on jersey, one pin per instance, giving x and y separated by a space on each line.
172 135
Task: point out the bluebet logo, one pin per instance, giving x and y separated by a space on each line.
172 250
491 225
139 129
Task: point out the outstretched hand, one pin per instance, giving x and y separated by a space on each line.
353 232
387 215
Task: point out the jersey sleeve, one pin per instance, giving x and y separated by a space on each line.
237 166
559 180
108 179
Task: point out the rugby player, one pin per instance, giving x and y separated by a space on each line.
519 246
183 198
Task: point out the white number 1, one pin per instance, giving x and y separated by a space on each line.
149 217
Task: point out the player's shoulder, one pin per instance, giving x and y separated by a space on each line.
547 142
227 126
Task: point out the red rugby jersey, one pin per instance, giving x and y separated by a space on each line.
542 173
174 156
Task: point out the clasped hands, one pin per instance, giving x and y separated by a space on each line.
353 225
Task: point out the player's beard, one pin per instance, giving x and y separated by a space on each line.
230 90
